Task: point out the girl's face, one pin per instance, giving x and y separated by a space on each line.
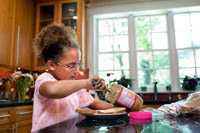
68 65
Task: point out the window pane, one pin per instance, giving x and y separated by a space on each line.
105 27
198 72
106 62
103 74
186 72
183 39
161 59
118 74
145 78
197 57
186 58
113 26
182 22
120 26
121 61
143 37
195 20
105 43
163 77
145 68
196 37
114 75
159 41
158 24
121 43
144 60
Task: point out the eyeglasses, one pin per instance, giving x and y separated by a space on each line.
71 65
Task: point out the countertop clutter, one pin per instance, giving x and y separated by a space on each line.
168 124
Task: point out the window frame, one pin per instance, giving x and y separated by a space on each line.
173 57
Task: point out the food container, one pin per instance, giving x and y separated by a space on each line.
124 97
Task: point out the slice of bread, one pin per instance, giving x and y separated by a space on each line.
112 110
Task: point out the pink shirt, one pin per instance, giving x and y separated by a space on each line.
48 111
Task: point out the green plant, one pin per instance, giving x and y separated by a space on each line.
126 82
23 84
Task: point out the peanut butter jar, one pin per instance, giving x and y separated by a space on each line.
124 97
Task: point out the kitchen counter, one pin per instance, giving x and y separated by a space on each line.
169 124
9 103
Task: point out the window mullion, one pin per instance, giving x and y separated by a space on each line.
132 51
173 53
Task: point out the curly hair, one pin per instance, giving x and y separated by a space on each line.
53 39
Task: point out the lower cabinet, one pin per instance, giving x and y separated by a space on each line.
16 119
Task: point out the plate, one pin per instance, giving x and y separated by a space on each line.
112 113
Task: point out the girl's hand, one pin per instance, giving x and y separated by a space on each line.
96 83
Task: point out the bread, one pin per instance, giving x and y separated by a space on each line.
112 110
88 111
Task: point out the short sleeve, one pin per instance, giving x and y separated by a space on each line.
45 77
85 99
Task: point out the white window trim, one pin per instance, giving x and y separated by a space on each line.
93 49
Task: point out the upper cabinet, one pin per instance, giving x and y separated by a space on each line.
16 33
68 12
6 33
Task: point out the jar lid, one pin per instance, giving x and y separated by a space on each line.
141 115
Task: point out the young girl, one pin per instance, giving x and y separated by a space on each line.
57 95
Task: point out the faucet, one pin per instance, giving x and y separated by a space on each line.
155 91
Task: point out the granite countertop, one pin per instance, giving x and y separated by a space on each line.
168 124
9 103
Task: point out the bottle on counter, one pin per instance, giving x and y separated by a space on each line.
124 97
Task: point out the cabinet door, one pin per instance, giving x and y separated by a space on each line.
45 14
24 33
24 126
23 113
23 119
7 120
6 32
69 14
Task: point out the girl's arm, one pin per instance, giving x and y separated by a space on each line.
63 88
99 104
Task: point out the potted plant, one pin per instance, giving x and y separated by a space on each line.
23 84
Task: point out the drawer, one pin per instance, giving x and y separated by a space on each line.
23 113
7 128
6 115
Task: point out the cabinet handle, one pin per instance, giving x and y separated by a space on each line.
3 116
24 113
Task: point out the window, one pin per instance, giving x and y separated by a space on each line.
154 46
188 43
152 50
113 49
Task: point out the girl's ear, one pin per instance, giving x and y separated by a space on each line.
51 65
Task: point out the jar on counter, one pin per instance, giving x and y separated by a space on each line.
124 97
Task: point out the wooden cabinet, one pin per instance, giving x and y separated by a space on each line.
24 29
67 12
16 33
163 97
16 119
6 120
23 119
6 32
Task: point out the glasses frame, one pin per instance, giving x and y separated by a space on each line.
71 65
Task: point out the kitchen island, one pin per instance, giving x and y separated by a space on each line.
168 124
